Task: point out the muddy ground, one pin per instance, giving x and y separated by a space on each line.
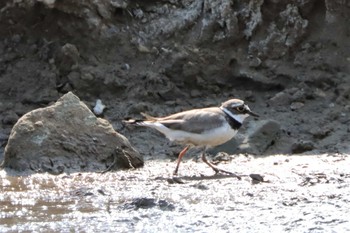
300 194
288 60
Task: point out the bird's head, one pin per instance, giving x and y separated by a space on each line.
237 109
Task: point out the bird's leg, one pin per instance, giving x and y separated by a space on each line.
215 168
182 153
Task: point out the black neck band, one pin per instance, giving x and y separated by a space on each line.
232 121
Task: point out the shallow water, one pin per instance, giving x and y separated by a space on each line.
302 194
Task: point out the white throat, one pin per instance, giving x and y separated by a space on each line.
240 118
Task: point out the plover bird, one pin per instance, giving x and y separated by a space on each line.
204 127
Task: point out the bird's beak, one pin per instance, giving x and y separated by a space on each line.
253 114
250 112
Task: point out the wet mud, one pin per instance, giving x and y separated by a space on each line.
297 194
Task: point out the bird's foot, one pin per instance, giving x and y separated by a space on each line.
219 170
175 172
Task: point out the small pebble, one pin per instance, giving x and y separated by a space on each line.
256 178
99 107
126 66
296 105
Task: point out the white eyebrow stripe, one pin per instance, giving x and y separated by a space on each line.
236 105
240 118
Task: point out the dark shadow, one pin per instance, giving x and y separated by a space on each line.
178 179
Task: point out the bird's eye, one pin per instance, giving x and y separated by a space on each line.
240 108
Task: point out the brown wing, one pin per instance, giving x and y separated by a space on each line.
194 121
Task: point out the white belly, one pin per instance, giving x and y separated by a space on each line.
209 138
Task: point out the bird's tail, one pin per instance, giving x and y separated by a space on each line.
148 117
138 121
132 121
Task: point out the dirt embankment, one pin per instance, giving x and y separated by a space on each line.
289 61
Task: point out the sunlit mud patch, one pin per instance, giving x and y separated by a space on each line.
296 193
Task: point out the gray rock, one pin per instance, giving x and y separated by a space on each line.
67 137
302 146
66 58
260 136
256 178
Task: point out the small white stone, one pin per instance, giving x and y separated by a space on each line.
99 107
